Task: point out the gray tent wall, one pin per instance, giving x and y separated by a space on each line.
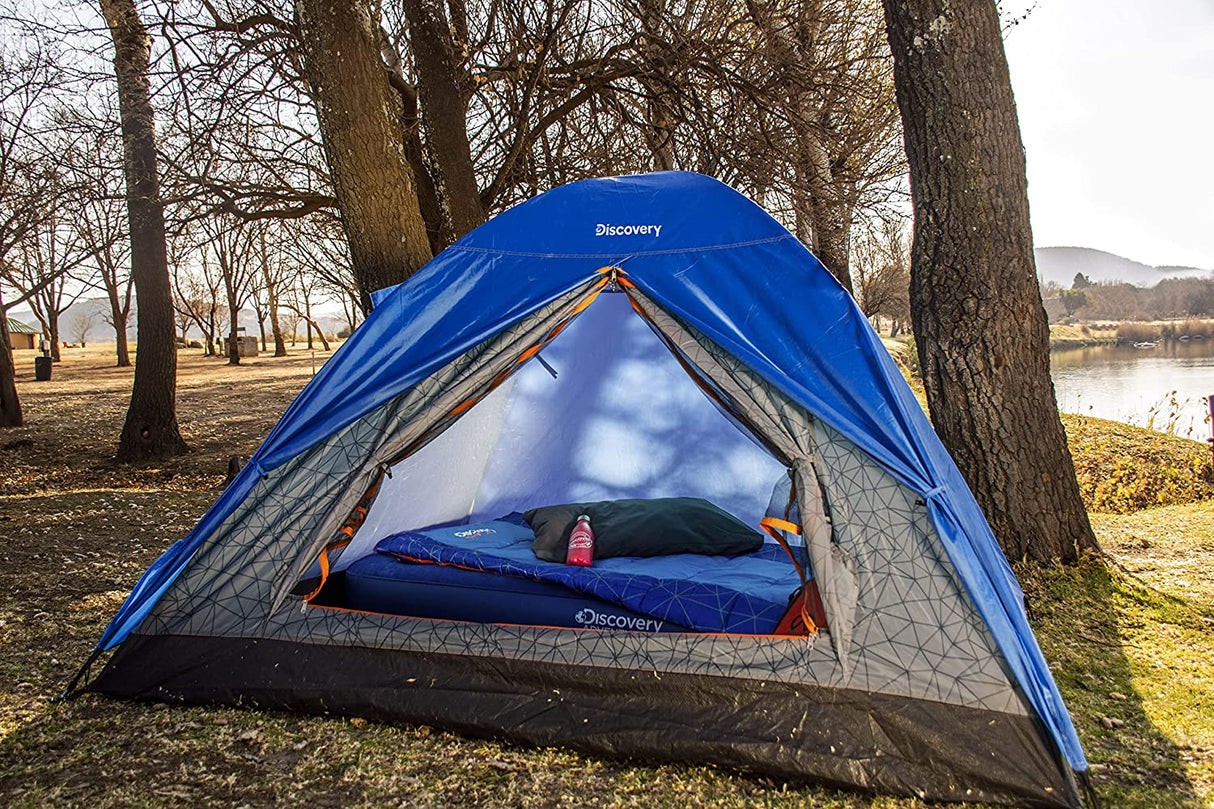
909 694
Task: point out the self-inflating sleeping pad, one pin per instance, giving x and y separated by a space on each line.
739 594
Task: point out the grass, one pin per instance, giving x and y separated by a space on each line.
1067 335
1129 638
1078 335
1149 331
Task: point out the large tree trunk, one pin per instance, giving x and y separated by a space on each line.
659 128
151 429
363 136
445 115
10 404
438 229
979 322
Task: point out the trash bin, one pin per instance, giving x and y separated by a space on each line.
42 369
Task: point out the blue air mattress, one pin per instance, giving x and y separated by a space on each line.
739 594
382 583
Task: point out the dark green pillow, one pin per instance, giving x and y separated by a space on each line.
658 527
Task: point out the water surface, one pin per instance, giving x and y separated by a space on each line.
1164 387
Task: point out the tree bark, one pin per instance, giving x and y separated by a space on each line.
445 115
280 345
120 345
979 322
822 211
52 327
233 336
438 229
10 404
363 136
119 314
151 429
830 222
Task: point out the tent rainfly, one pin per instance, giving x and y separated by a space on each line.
691 347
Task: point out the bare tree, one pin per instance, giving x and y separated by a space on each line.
43 261
96 213
881 272
275 274
150 430
27 182
81 325
231 245
197 290
466 109
979 322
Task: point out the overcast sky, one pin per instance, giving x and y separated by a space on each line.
1116 103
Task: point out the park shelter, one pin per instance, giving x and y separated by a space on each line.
22 336
926 679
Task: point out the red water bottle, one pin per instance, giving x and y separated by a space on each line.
581 544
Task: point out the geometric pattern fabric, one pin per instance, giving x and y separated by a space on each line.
914 631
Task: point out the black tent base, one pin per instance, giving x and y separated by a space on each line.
841 738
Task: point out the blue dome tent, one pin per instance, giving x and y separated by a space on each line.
649 336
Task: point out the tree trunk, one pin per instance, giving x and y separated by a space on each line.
118 317
980 326
831 225
306 314
271 282
151 429
828 214
120 345
10 404
280 345
445 115
52 327
360 124
233 336
211 328
438 229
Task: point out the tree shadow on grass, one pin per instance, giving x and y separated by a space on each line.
1105 634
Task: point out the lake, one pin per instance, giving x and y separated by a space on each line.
1163 387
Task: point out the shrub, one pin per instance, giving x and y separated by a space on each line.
1122 468
1138 332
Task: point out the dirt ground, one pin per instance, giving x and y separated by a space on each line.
1130 643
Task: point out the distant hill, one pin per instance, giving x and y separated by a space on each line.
1060 264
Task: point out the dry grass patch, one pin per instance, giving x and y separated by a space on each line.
1123 468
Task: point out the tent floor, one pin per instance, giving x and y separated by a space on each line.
838 737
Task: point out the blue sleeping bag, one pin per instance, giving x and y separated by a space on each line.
737 594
